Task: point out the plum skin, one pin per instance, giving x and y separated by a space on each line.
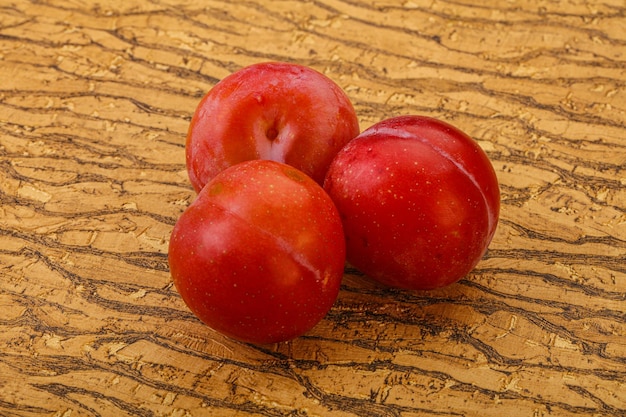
279 111
419 201
259 255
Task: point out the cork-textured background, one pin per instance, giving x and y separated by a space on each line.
95 102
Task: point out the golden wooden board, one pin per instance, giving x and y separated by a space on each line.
95 101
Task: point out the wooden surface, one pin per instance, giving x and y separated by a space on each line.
95 100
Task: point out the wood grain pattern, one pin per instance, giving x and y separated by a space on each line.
95 100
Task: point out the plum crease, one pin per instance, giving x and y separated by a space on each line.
280 242
407 135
